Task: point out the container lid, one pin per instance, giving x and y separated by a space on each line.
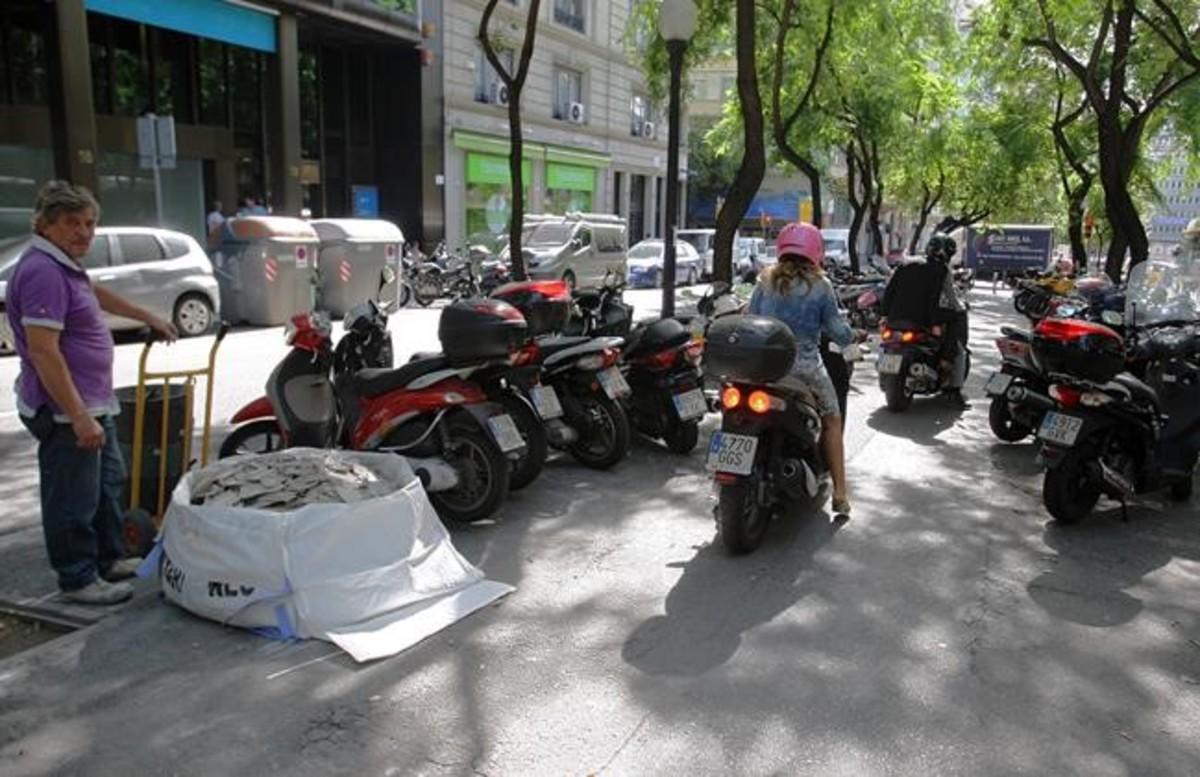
243 228
364 230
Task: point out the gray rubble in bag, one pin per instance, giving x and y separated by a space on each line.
286 480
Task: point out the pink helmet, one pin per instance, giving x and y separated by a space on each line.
803 241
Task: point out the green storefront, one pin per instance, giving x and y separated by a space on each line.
570 181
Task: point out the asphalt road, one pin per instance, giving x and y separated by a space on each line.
948 628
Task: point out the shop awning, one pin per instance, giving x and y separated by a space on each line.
238 24
491 144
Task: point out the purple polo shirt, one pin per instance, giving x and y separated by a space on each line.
49 289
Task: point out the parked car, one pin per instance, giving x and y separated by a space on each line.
579 248
751 257
646 264
165 272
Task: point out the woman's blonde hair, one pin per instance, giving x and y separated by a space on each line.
782 278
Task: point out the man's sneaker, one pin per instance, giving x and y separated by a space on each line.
122 570
100 592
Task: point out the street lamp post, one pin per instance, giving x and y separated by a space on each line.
676 24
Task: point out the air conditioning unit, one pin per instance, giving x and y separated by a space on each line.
576 113
648 129
499 93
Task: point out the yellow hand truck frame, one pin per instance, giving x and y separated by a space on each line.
140 528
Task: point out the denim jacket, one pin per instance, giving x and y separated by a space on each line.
809 313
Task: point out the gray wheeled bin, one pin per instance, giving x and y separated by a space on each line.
266 268
353 254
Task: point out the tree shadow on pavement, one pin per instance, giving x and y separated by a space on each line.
923 423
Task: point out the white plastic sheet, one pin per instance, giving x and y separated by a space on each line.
373 577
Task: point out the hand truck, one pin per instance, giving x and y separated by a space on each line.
140 527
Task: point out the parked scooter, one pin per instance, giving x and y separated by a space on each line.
767 452
1016 389
660 363
573 383
457 441
1108 432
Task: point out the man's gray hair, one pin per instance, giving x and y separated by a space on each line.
58 197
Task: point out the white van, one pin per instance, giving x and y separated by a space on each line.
578 248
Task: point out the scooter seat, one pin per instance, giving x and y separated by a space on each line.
1137 389
552 344
372 383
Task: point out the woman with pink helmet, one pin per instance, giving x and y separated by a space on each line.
796 292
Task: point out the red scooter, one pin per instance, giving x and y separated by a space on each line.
458 442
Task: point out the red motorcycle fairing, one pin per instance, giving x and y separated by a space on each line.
259 408
381 414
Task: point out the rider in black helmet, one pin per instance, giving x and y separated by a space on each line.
924 292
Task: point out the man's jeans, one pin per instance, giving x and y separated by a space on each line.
81 500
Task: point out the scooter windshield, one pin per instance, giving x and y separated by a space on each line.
1164 291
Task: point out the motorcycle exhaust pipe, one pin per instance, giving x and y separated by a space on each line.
434 474
1023 396
797 480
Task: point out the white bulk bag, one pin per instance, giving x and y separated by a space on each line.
373 577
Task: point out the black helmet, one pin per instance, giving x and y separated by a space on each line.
941 248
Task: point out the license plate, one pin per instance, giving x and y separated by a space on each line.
545 401
890 363
690 404
733 453
998 384
613 382
504 429
1060 429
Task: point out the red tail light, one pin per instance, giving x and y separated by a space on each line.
611 356
529 354
886 334
661 360
1066 396
695 351
731 397
726 478
759 401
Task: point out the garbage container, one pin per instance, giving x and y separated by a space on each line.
353 253
152 450
266 268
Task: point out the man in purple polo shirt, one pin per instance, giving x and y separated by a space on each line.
65 394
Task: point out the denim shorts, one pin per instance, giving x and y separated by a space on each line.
820 386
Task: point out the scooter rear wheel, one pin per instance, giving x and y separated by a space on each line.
526 468
741 521
895 391
681 436
1069 491
603 432
1004 426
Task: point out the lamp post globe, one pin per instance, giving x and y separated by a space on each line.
677 20
676 24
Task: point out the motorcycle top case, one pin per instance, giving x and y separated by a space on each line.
478 330
1080 349
755 349
546 305
662 334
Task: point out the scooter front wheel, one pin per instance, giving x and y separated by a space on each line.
483 474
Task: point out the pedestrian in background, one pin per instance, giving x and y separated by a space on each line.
213 222
65 394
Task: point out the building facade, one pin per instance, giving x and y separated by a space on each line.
295 103
1180 196
593 140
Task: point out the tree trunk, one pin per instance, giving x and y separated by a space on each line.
517 218
811 173
1075 212
875 201
754 160
856 205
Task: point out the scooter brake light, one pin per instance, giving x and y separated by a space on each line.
731 397
1066 396
886 334
694 351
661 360
762 402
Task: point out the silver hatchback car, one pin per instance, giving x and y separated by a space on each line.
165 272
